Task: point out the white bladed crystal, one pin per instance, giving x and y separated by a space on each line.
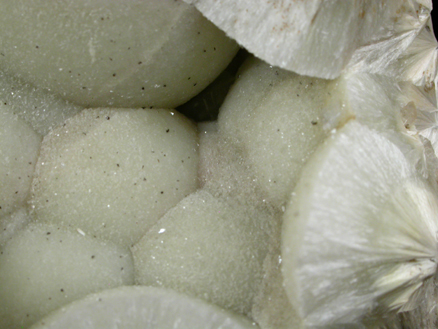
320 38
361 230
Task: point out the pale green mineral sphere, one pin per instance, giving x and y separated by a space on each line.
130 53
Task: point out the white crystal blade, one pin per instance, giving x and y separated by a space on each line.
361 230
320 38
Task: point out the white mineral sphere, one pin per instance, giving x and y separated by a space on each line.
379 103
98 53
277 119
142 308
19 147
44 267
359 232
207 248
114 172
